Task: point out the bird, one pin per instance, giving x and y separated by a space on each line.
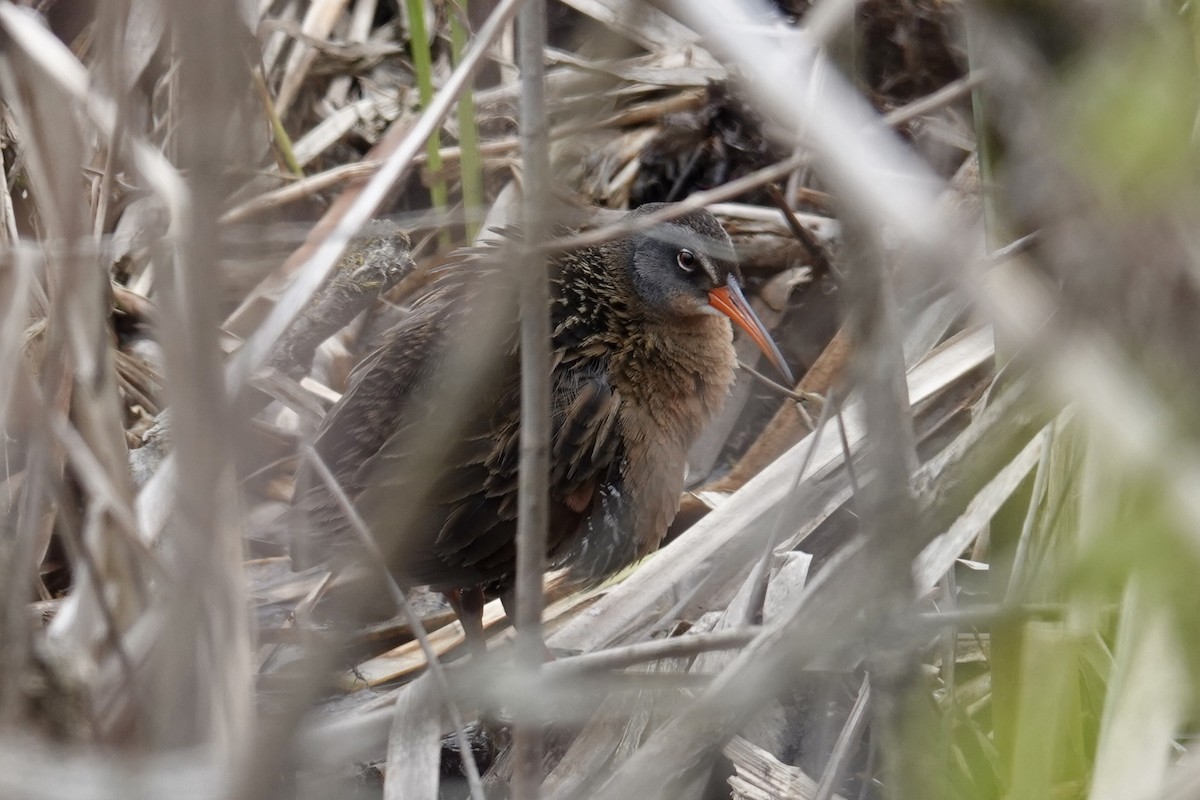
642 359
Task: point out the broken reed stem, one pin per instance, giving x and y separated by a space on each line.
533 492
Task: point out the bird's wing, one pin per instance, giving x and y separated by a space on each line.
480 495
375 402
449 515
378 394
378 402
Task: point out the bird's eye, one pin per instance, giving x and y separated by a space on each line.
687 260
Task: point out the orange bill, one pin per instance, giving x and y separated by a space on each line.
730 301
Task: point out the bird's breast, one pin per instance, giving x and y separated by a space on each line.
670 388
673 381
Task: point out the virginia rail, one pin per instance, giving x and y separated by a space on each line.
643 358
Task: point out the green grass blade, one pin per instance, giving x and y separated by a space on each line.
470 163
423 66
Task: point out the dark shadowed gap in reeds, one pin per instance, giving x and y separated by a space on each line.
956 560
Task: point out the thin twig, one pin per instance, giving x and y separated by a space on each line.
821 263
799 397
629 226
654 650
955 90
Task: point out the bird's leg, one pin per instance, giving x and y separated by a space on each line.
509 600
468 605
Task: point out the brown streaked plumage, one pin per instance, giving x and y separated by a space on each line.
643 359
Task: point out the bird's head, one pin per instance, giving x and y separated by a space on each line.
686 267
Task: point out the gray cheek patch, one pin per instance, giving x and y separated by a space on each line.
676 237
